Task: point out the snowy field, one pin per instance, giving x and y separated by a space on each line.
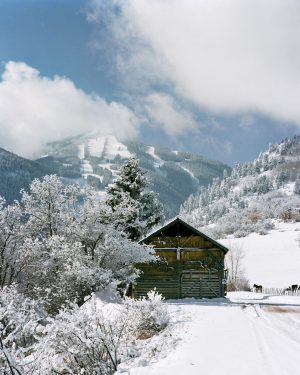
271 260
244 334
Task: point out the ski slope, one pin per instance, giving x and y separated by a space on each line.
245 334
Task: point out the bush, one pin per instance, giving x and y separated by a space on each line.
150 314
96 338
20 322
238 284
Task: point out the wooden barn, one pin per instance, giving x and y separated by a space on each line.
192 264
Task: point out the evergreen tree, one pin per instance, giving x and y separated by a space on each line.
297 186
132 208
281 178
225 174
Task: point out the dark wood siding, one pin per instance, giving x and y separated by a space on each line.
192 265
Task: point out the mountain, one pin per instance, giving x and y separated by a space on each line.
17 173
252 197
95 160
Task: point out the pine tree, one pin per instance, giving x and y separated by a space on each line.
132 207
297 186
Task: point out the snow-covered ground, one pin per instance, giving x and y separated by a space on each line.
113 148
244 334
96 146
189 172
271 260
158 161
86 167
107 147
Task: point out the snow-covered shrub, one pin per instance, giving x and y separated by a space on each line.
11 237
97 337
240 233
241 283
150 315
83 341
20 322
58 272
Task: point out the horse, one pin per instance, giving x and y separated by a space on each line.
294 287
257 288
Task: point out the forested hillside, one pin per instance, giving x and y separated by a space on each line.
17 173
254 193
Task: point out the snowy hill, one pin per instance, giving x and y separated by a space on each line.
257 209
271 260
252 196
96 159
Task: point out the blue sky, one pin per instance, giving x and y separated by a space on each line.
216 78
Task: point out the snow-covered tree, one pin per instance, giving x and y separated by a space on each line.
57 272
11 237
132 207
281 178
20 321
297 187
50 205
70 250
236 275
58 248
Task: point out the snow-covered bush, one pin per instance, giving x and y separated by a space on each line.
21 320
96 338
58 272
240 223
80 341
150 315
11 237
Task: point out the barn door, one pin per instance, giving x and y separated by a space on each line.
199 284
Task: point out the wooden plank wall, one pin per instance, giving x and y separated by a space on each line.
191 266
198 274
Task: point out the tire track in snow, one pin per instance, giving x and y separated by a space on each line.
272 342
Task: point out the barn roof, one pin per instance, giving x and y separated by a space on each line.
178 227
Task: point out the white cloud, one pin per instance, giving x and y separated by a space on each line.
228 147
164 112
35 110
246 122
230 56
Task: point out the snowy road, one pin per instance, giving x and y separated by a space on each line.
260 337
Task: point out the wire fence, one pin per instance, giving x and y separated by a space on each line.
281 291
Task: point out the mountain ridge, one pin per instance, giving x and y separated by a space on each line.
252 195
16 173
174 175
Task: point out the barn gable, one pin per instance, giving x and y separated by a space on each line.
192 264
177 229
